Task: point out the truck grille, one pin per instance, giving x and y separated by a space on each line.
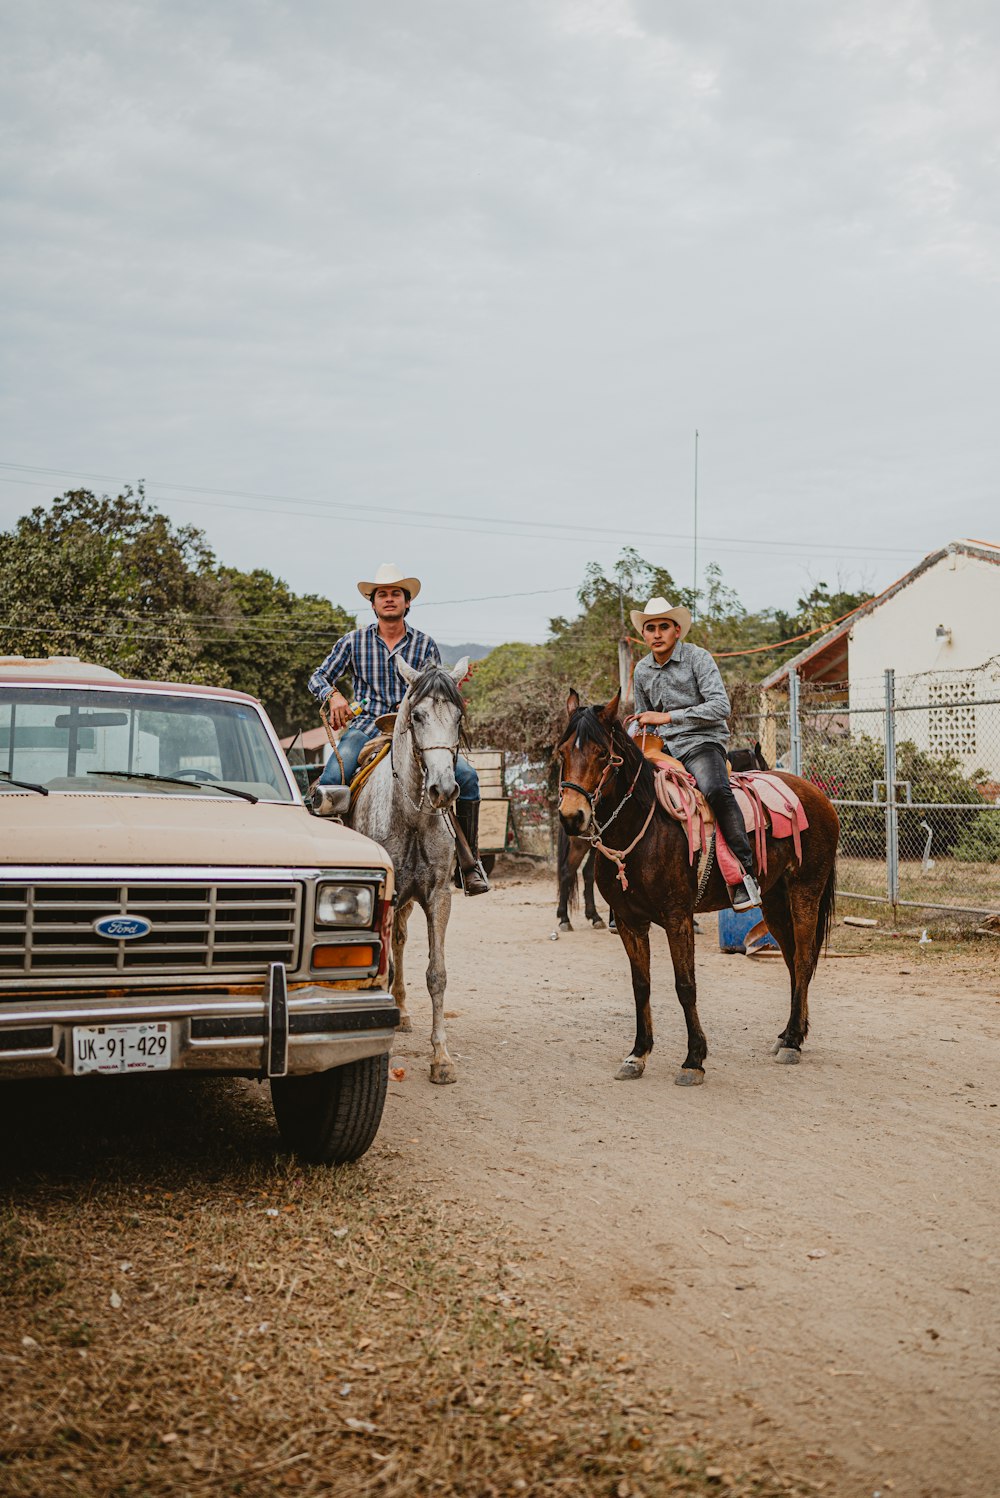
49 928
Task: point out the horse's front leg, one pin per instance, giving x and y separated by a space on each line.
636 943
398 984
566 882
680 935
589 908
438 911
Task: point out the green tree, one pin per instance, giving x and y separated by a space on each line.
111 580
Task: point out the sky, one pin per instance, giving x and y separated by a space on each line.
454 284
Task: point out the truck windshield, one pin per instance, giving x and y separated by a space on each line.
55 737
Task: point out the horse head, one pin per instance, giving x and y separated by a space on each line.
588 761
431 714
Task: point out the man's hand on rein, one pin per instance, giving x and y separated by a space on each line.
650 719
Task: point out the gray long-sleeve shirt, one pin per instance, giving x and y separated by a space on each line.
689 687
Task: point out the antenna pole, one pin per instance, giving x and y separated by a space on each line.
694 601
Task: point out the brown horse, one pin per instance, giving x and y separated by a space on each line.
607 791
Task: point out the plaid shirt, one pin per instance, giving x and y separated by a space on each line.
378 686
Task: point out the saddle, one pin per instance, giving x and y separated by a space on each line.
766 801
371 755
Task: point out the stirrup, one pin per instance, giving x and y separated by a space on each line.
745 896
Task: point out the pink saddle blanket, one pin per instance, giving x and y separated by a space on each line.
765 800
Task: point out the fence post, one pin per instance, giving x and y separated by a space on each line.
794 726
891 810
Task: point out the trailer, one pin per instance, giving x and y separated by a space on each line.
496 829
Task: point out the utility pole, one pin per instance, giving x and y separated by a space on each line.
624 655
694 601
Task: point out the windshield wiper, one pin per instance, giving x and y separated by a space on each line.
24 785
191 785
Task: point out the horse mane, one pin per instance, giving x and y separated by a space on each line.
587 727
435 681
432 681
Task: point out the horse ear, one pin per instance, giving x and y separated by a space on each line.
609 712
461 670
572 702
406 671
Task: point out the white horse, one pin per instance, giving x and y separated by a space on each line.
403 806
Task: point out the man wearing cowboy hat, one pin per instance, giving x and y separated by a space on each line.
370 655
680 695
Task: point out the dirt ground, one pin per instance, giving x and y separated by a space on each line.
802 1260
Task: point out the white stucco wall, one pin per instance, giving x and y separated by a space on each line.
962 593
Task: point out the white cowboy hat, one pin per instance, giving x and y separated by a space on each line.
389 576
659 608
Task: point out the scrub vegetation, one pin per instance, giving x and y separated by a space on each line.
186 1312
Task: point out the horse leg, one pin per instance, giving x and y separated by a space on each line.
792 917
566 882
566 866
590 909
438 911
636 944
398 984
680 935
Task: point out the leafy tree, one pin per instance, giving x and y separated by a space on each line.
111 580
279 640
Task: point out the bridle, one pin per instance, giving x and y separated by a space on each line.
615 762
420 750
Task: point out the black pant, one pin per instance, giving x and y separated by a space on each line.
707 763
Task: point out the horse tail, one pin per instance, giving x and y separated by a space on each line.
566 870
824 919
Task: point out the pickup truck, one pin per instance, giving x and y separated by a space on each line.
168 903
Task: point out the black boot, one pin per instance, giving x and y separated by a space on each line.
745 896
474 880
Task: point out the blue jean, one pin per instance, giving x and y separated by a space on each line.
350 745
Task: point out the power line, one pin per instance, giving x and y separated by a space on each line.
419 518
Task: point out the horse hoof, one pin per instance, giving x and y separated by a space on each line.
779 1045
788 1055
689 1076
443 1072
565 926
597 923
405 1026
630 1070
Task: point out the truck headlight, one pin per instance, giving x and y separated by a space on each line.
344 905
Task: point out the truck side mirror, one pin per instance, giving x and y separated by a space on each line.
331 800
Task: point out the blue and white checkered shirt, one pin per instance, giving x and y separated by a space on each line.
378 686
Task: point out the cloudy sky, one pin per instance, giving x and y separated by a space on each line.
454 283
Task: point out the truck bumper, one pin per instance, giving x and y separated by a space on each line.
273 1032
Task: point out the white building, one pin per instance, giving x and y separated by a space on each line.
938 628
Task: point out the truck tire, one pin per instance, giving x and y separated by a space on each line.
332 1117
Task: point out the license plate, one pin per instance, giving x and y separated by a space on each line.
121 1048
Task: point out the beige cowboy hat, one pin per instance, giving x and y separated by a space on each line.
389 576
659 608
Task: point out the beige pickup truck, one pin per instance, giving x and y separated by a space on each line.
168 903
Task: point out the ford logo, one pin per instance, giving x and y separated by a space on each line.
122 927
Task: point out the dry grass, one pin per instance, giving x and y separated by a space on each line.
187 1312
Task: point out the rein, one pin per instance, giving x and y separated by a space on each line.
616 855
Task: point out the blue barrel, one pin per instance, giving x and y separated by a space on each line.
734 925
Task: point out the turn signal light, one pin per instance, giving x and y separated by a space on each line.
362 956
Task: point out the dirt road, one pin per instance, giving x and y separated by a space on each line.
802 1259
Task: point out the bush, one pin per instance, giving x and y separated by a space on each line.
979 841
847 769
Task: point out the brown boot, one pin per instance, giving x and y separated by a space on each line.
474 880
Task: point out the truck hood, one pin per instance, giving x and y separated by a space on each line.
175 830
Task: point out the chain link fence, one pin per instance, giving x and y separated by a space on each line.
912 764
